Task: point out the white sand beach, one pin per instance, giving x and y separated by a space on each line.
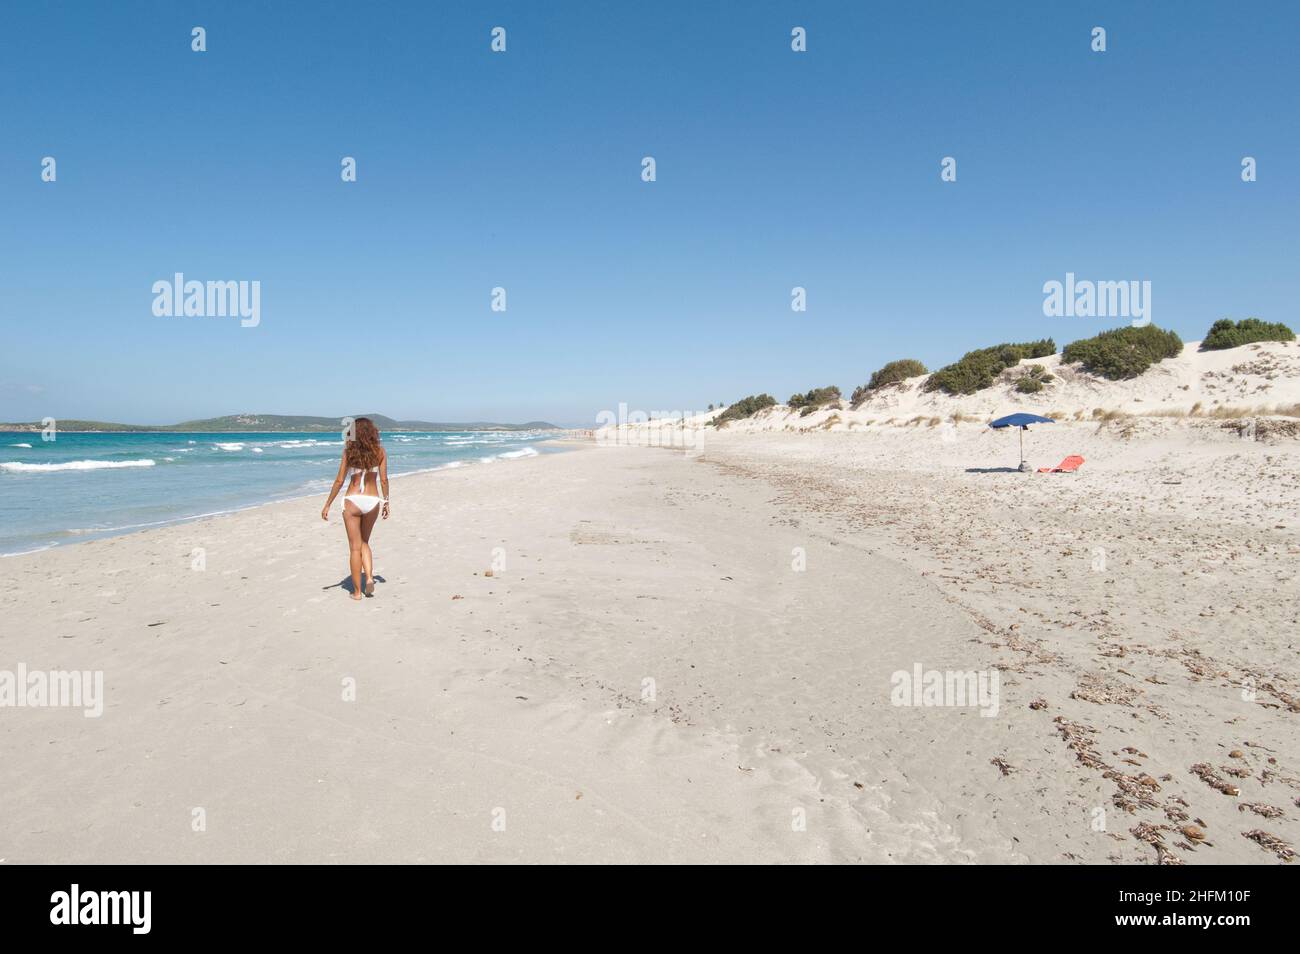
688 658
958 549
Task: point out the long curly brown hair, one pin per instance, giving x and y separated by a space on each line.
364 450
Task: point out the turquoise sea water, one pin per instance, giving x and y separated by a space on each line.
81 486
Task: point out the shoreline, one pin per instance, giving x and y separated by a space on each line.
92 534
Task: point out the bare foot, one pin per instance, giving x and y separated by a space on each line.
356 596
370 587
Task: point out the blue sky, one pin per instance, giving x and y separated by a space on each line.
522 170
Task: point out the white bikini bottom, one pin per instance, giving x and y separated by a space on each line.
364 502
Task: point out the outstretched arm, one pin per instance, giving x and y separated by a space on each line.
338 485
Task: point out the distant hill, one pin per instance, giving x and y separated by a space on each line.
281 422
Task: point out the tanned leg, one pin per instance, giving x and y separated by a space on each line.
367 558
352 520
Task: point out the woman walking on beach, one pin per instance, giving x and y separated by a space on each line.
364 468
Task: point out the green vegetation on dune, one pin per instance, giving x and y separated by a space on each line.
892 373
1032 381
1123 352
978 369
1225 333
745 407
896 371
815 398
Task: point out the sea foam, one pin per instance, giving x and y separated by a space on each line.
17 467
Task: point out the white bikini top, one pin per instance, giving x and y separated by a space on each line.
347 481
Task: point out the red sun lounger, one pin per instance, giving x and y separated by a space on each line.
1067 466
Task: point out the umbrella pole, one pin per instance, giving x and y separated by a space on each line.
1022 448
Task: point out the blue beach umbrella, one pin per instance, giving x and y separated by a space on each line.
1021 421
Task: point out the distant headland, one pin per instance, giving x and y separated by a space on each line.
269 423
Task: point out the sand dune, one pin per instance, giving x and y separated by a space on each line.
1257 380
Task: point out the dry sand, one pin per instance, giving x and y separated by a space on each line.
524 698
1142 614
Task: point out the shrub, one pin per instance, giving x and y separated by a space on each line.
745 407
978 370
1225 333
892 373
815 398
1123 352
896 371
1032 381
